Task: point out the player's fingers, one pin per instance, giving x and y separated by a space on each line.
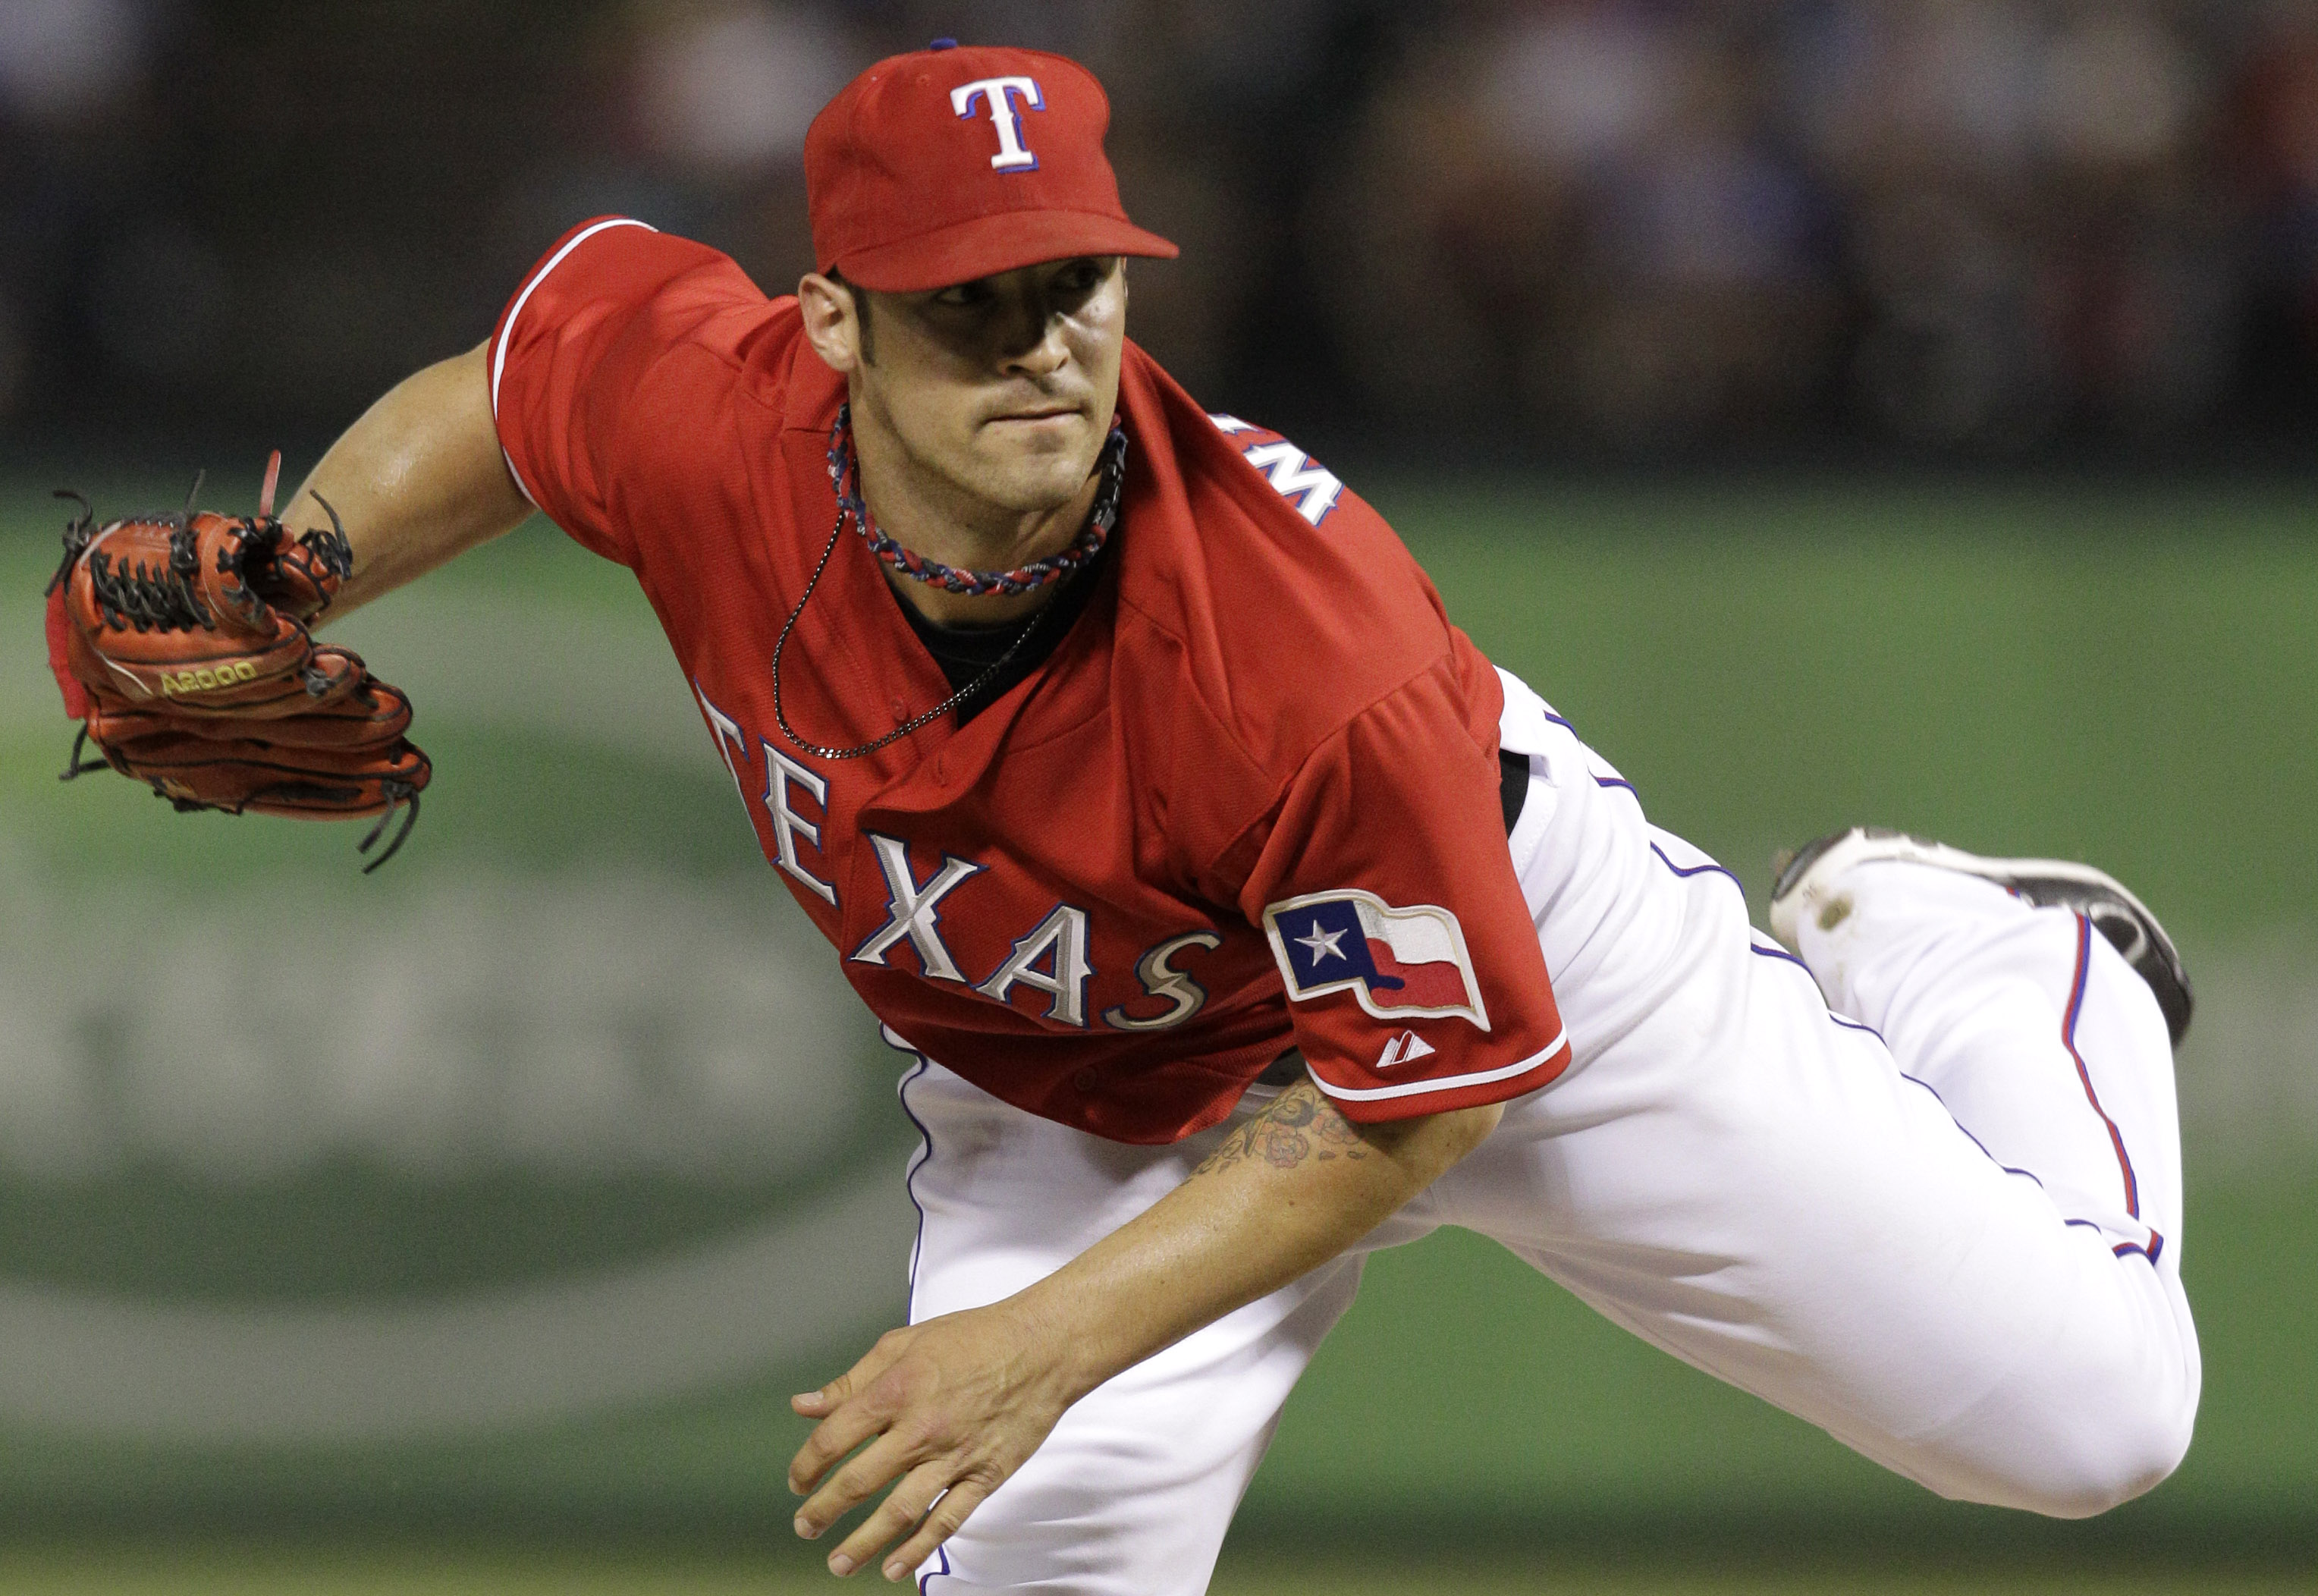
851 1409
814 1404
904 1507
859 1479
940 1523
852 1423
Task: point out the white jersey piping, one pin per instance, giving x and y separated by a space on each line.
1446 1083
498 354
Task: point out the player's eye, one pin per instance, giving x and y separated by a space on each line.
1077 282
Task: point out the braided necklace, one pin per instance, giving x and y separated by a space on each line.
845 468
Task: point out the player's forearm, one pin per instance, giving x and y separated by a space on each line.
416 480
1286 1192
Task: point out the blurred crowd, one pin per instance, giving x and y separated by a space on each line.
1526 228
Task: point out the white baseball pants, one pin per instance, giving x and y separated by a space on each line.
1935 1211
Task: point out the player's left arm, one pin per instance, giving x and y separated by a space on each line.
952 1407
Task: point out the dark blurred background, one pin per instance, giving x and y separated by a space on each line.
1517 229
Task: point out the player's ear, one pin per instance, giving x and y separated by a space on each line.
833 321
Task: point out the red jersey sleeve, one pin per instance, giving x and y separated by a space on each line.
1413 977
574 347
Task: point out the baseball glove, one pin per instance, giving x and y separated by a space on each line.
181 642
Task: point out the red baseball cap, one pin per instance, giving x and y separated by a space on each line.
949 163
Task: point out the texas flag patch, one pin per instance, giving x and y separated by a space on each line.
1397 963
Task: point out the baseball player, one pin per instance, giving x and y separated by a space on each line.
1234 915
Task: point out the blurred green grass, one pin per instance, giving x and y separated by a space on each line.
2119 674
2112 672
2116 673
199 1572
354 1571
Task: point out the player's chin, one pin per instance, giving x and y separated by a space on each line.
1037 465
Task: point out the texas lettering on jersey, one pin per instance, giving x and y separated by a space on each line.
1050 959
1259 731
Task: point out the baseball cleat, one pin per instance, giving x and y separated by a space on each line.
1806 878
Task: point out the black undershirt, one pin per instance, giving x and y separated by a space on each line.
964 653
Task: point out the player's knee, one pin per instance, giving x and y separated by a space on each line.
2071 1435
2143 1450
2087 1468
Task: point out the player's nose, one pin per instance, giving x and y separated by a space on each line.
1042 355
1034 340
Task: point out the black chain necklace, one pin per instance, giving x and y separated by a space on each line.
1100 519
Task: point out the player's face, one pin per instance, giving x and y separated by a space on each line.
1002 386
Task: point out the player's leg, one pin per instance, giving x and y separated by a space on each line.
1763 1189
1131 1493
2054 1052
1993 982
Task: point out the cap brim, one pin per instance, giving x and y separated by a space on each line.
986 246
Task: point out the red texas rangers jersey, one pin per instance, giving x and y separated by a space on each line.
1250 802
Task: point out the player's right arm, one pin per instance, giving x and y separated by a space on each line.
419 479
539 414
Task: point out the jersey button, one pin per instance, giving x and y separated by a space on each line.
1084 1081
899 709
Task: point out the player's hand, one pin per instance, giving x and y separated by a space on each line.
950 1409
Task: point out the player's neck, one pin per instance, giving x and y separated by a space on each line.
936 518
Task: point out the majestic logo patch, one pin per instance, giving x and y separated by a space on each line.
1404 1049
1397 963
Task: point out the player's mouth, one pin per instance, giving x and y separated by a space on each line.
1035 403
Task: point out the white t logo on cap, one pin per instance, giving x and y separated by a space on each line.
999 92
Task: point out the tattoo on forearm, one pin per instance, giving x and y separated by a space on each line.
1300 1125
